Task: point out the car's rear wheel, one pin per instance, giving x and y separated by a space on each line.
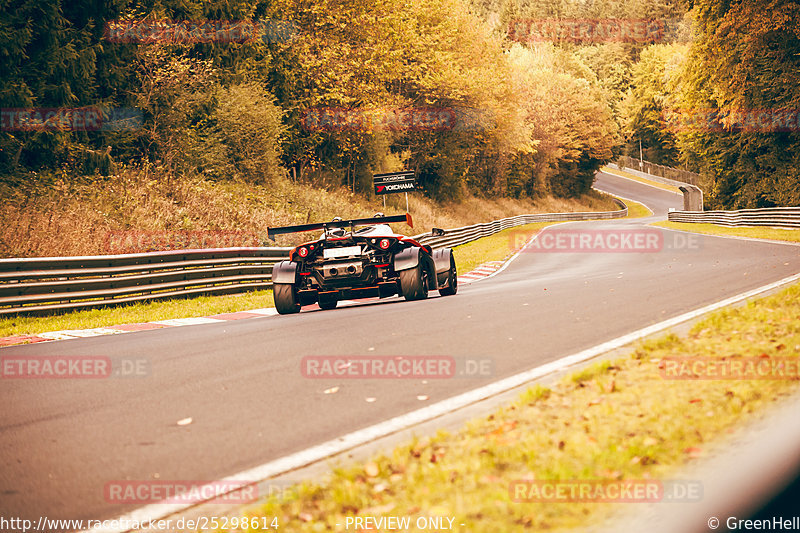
285 298
452 280
328 304
414 283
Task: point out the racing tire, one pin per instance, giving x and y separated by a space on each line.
414 283
285 298
327 304
452 280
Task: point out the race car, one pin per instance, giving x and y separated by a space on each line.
360 258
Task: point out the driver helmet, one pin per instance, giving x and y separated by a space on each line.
337 232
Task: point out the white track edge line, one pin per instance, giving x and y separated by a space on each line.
516 254
362 436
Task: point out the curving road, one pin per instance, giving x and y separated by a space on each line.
62 441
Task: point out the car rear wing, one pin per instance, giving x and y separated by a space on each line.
271 232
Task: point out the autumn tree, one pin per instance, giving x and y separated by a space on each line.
745 61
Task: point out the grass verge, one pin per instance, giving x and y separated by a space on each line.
634 177
139 312
637 210
610 421
775 234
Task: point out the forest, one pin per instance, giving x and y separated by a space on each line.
486 98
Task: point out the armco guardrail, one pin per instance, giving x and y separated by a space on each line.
692 194
463 235
777 217
42 285
654 169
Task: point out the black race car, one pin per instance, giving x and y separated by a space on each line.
360 258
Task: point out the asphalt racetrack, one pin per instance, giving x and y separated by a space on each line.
241 382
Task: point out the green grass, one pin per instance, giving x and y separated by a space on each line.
613 420
777 234
495 247
140 312
637 210
640 179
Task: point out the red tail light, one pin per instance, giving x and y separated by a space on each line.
302 251
384 244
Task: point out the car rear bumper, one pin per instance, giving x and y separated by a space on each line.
380 290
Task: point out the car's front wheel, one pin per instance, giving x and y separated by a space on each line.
285 298
414 283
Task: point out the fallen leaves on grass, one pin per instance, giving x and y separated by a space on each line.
693 452
372 469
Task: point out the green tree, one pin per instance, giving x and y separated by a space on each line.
649 100
746 58
52 58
